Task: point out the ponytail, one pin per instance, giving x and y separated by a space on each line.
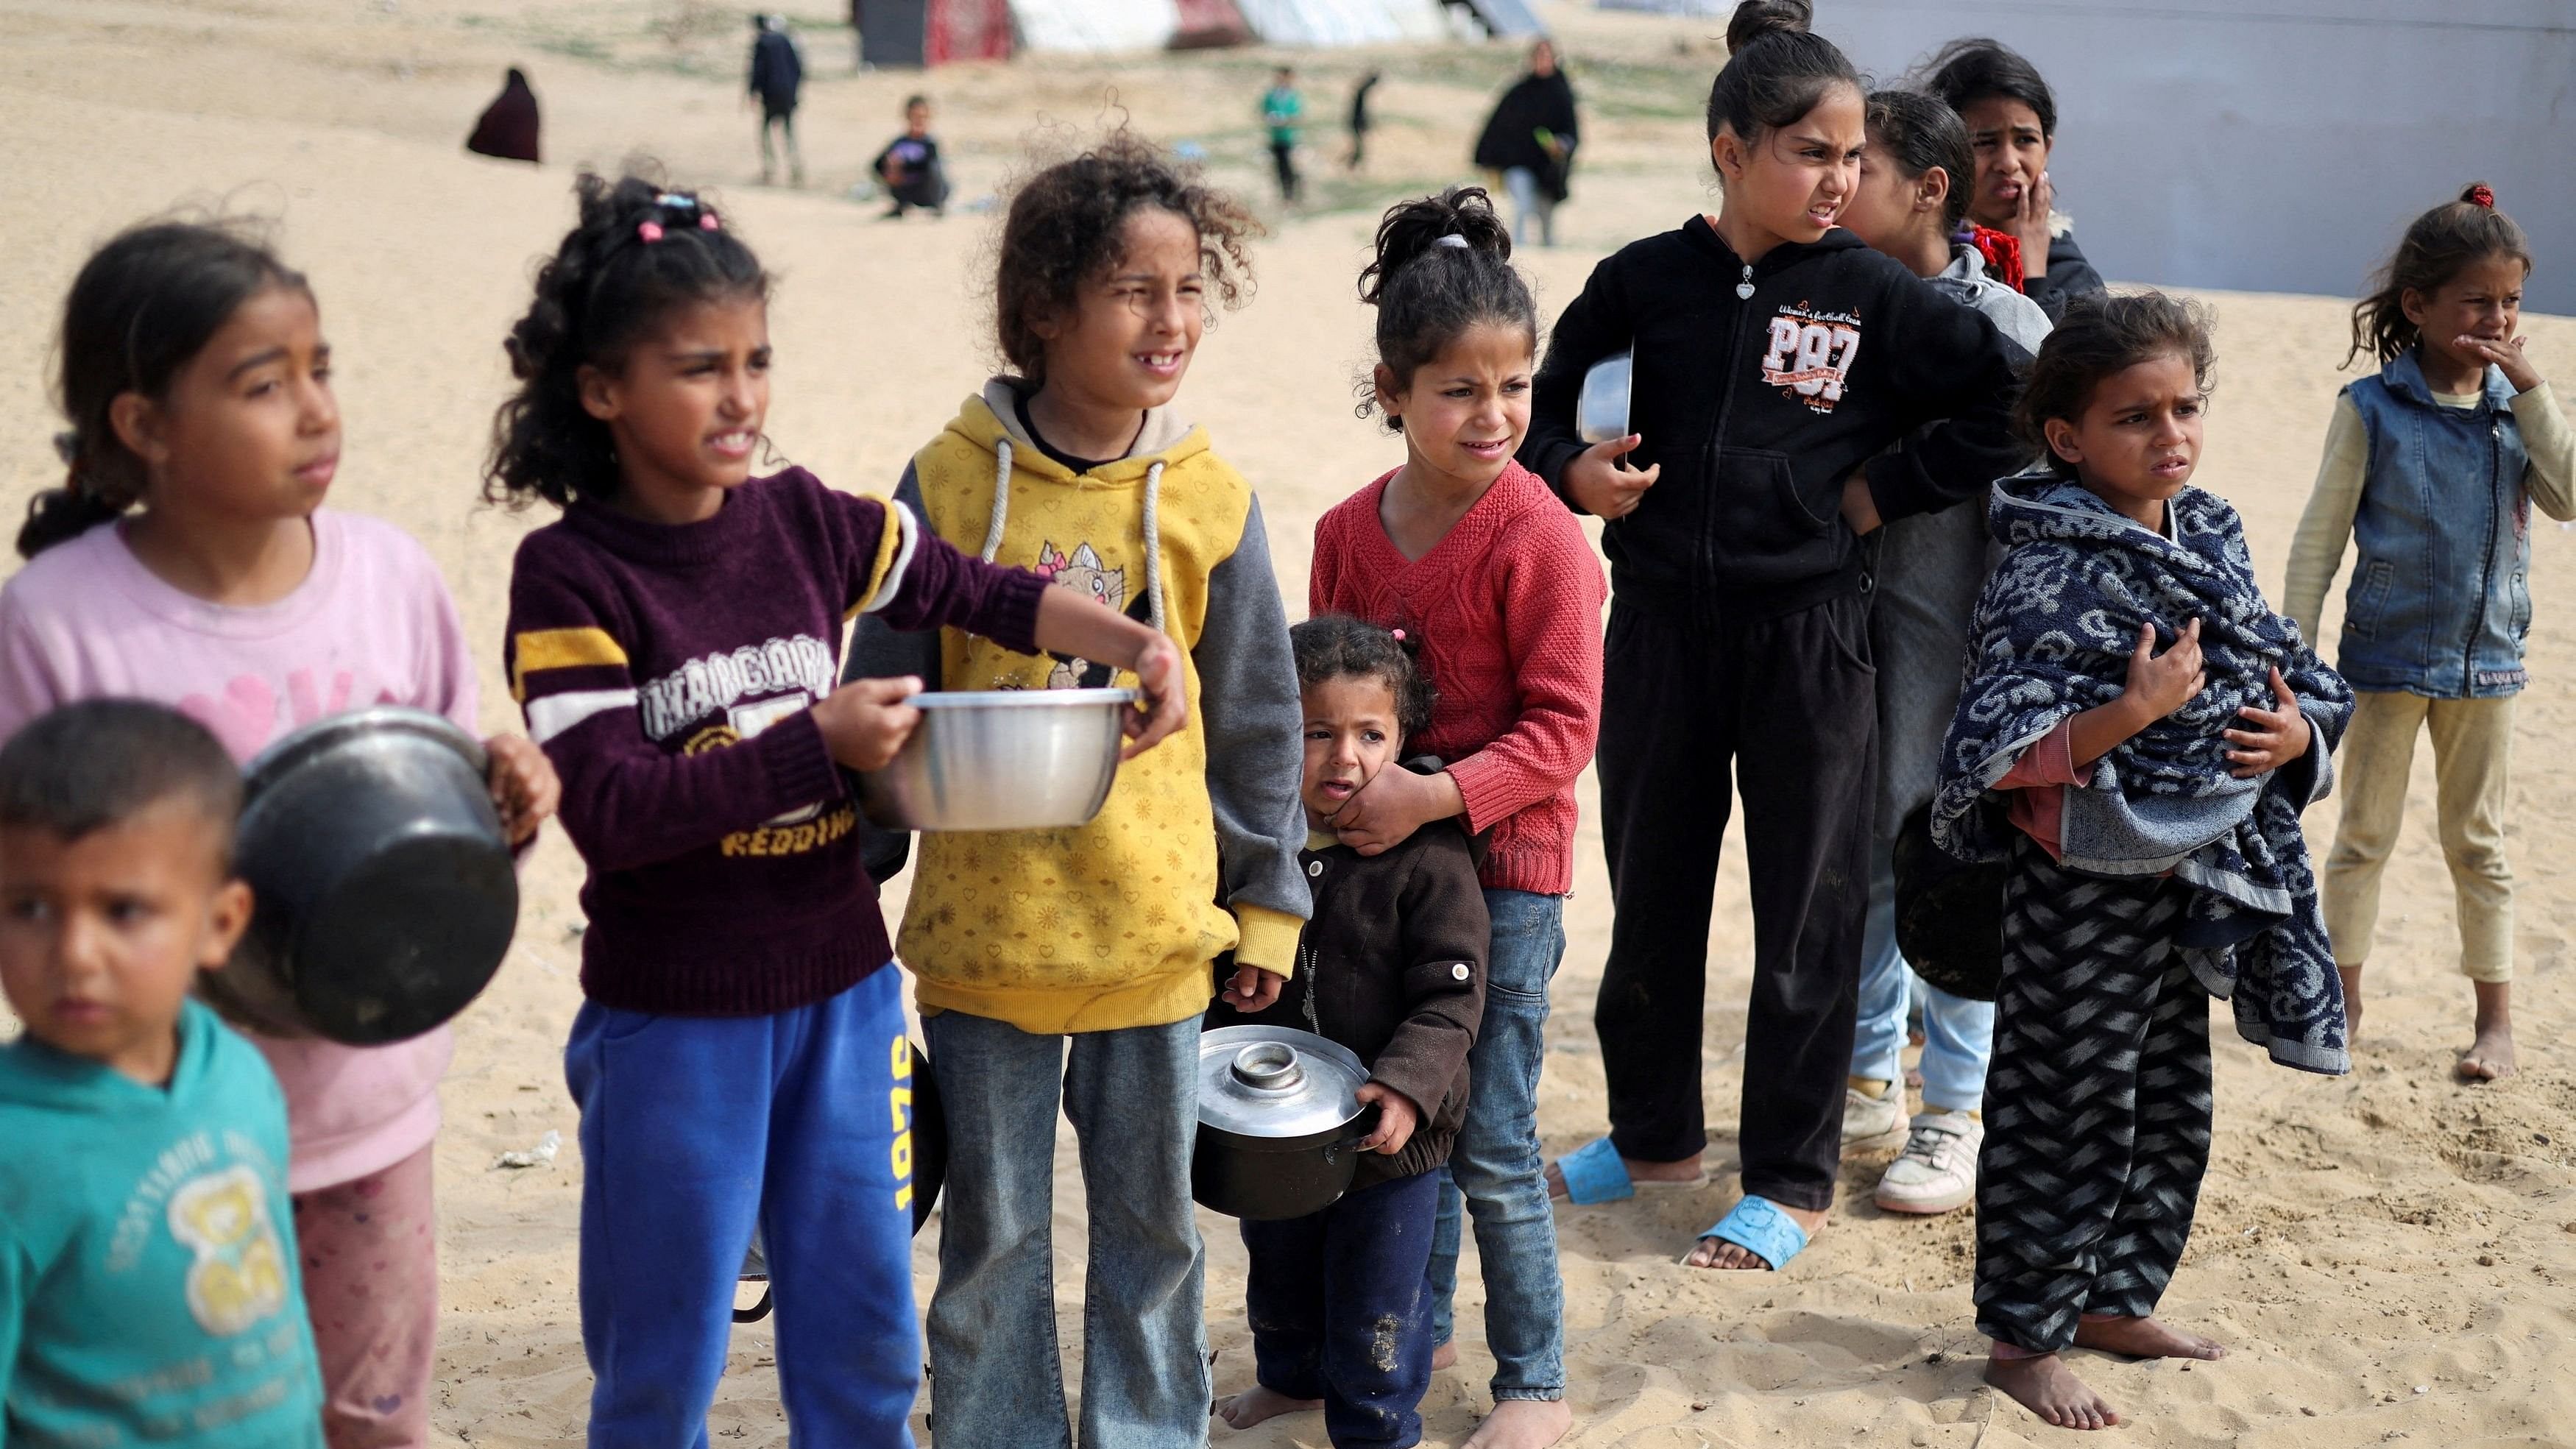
1443 264
142 308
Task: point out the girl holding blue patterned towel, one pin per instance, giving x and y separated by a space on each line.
2137 736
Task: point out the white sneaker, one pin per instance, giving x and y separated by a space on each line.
1871 1124
1937 1171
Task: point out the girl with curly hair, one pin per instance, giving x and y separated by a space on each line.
1068 968
740 1059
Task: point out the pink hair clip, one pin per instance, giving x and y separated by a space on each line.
1398 633
706 221
651 231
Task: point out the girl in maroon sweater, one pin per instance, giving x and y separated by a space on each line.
1472 555
675 639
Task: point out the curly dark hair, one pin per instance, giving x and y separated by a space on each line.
1337 646
639 251
144 305
1427 293
2101 336
1067 223
2438 246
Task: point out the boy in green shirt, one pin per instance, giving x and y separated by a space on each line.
148 1282
1282 109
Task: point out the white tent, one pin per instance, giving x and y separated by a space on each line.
1344 22
1095 27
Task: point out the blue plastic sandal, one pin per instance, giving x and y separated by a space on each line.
1594 1173
1763 1228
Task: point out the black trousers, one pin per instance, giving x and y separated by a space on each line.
1283 155
1341 1312
2097 1104
1789 705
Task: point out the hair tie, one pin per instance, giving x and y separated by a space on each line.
651 231
1398 633
2482 196
1453 239
706 221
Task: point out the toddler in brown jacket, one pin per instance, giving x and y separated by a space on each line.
1392 965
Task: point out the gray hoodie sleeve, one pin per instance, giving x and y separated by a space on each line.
878 650
1249 709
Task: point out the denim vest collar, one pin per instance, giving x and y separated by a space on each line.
2405 374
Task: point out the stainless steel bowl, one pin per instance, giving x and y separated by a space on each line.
1003 759
1601 410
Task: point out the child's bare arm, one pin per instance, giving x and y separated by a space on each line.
1075 624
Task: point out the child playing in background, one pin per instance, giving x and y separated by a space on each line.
1466 551
1086 988
2011 117
198 385
1912 195
2148 804
1391 966
2432 467
148 1274
673 641
1776 358
910 166
1283 112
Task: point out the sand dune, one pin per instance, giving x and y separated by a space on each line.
2391 1254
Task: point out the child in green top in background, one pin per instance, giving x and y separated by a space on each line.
148 1283
1281 110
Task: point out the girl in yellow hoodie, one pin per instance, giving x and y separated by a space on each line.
1102 935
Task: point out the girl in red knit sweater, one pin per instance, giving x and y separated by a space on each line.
1472 555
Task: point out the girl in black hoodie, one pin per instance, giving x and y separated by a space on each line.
1777 357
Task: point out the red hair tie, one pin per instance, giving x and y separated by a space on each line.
2482 196
2002 251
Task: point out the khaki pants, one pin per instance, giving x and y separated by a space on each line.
2472 747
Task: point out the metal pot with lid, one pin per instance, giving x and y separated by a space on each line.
1279 1122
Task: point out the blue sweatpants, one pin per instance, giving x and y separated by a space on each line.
1341 1310
693 1130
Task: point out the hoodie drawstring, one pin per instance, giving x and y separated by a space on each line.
1153 527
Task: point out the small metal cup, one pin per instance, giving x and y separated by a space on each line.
1601 412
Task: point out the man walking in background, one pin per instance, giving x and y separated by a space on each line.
777 73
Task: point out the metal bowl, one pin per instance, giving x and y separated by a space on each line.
1601 411
1003 759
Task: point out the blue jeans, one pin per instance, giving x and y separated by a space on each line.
997 1381
1533 210
695 1128
1340 1311
1496 1164
1958 1034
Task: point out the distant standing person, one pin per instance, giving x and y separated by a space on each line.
507 129
909 165
2012 125
777 73
1530 140
1360 119
1281 110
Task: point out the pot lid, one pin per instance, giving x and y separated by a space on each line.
1276 1081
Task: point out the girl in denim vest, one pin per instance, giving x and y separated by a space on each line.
2432 467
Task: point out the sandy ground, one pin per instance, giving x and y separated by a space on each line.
2390 1253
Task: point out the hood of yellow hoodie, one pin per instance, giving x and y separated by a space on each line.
993 416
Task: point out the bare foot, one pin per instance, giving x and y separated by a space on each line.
2351 1001
1445 1356
1243 1410
2491 1055
2144 1338
2048 1388
1523 1424
1639 1170
1719 1253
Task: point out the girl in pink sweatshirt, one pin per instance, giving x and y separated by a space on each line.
198 386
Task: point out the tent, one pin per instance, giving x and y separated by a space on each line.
1205 24
1344 22
1095 27
1506 19
911 33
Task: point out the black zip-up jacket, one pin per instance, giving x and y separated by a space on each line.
1758 408
2069 276
1393 967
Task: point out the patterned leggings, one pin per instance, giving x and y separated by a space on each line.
2097 1104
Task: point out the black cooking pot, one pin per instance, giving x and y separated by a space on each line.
1949 913
929 1140
384 893
1279 1128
